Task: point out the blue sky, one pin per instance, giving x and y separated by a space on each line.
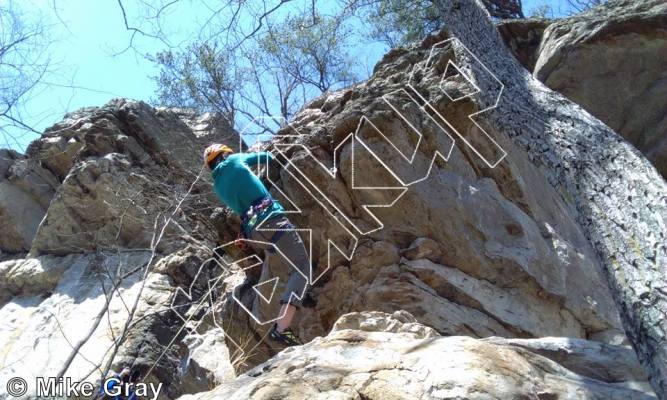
87 37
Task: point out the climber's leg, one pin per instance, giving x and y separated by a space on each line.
287 311
280 232
292 247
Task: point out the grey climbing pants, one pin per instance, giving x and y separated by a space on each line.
290 244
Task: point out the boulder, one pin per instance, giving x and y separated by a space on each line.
209 361
596 360
383 360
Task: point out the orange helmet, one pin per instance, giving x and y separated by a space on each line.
214 150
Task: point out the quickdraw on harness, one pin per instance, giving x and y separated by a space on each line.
251 218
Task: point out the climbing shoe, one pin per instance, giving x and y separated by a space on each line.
286 337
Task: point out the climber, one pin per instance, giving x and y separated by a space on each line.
243 192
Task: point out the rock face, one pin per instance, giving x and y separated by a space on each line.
576 153
122 222
25 192
609 61
208 127
406 205
382 356
506 258
118 167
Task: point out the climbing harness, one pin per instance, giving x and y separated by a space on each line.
250 219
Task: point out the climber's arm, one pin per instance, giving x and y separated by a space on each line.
252 159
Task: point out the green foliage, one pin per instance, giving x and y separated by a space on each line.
292 57
201 78
312 49
272 74
399 22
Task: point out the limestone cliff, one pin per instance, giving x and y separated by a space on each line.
453 256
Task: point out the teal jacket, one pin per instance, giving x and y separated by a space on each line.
238 187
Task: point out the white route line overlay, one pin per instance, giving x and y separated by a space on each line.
429 60
308 189
228 271
353 138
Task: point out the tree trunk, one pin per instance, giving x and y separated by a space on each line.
616 195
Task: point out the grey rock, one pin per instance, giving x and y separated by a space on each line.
523 37
374 321
595 360
25 192
423 248
119 166
399 364
123 182
596 172
208 127
55 300
610 60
